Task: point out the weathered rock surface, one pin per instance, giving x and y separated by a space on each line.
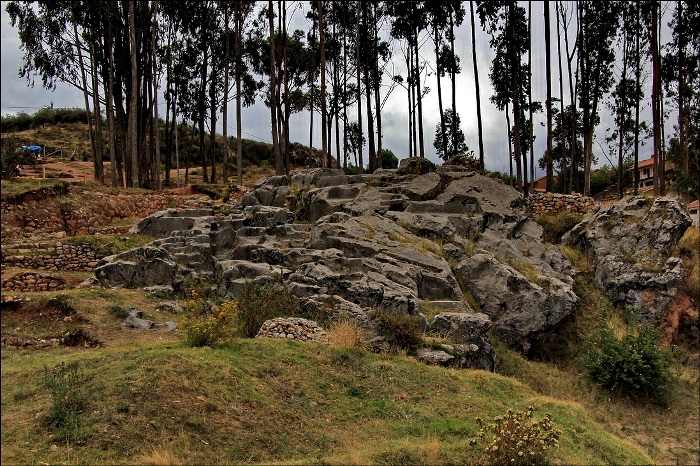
391 240
630 243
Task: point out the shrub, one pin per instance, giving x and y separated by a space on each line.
66 384
120 311
633 365
207 324
515 438
258 303
555 225
401 331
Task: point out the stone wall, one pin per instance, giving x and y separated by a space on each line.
65 256
547 203
32 281
83 213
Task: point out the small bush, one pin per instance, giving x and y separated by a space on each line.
346 333
555 225
66 384
632 365
258 303
515 438
120 311
207 324
401 331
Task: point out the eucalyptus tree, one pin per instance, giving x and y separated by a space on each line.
598 24
682 83
506 24
409 20
443 17
477 88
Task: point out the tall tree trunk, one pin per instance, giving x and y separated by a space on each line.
439 91
454 83
359 87
548 72
274 99
478 92
224 124
529 95
239 141
564 167
419 95
312 88
656 99
83 78
114 172
517 112
638 79
322 45
377 82
622 113
683 122
133 102
573 169
345 98
156 123
412 132
287 110
97 162
372 156
511 156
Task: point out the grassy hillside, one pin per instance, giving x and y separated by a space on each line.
265 401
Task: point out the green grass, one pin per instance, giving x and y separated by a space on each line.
13 189
261 400
107 245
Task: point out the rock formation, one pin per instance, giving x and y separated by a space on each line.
630 244
391 240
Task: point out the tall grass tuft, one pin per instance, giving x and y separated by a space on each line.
66 385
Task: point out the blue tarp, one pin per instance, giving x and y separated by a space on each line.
30 148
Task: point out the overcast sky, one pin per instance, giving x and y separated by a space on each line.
17 95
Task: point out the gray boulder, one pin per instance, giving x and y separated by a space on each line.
629 243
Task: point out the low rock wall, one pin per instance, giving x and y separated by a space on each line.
64 215
547 203
293 328
65 256
32 281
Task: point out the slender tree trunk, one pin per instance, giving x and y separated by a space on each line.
638 79
439 91
97 162
114 172
511 156
345 98
239 141
656 100
312 89
622 115
682 94
564 166
419 94
548 72
322 45
133 102
224 124
573 169
372 155
377 82
454 83
521 170
279 166
359 87
287 110
478 92
413 132
83 78
529 94
156 123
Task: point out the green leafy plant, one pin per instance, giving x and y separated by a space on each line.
258 303
206 323
66 385
633 365
516 438
401 331
554 225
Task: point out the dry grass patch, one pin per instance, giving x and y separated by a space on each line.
347 333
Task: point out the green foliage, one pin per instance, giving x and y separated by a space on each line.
401 331
119 310
554 226
387 159
454 141
69 398
515 438
10 157
632 365
258 303
207 324
45 116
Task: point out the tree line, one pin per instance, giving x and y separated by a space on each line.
203 56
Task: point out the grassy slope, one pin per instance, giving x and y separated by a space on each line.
276 401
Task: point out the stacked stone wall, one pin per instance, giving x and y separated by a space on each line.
64 256
548 203
32 281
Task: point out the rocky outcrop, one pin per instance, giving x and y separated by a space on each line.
391 240
630 244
